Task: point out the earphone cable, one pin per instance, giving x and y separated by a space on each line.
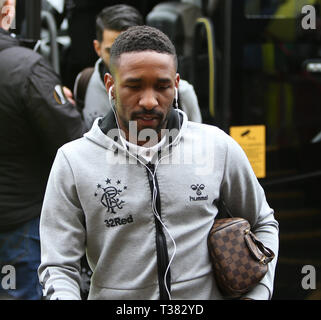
153 174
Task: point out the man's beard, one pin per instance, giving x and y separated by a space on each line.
135 115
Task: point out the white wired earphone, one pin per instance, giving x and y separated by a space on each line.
154 179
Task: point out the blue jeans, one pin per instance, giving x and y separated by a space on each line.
19 261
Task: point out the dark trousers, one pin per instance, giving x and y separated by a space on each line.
19 261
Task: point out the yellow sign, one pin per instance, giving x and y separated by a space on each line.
252 140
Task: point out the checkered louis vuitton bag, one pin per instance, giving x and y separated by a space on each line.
239 259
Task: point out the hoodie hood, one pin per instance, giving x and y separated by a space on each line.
105 133
7 40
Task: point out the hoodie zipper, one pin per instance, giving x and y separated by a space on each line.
161 245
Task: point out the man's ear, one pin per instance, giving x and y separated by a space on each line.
7 14
9 3
109 83
97 47
177 80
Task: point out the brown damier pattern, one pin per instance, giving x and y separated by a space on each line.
235 256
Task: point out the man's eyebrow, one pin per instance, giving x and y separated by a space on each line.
133 80
164 80
160 80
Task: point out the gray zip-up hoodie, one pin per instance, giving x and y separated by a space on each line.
99 200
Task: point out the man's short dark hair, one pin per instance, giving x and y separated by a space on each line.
141 38
117 18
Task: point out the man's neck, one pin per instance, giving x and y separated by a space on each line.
147 143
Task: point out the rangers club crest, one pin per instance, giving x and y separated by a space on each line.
109 195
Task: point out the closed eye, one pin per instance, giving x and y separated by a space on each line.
163 87
132 83
132 86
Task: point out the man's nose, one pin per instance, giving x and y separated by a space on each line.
148 100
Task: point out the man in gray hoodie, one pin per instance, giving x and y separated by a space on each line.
138 193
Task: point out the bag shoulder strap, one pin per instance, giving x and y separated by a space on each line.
81 85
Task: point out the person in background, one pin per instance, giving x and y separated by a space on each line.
81 15
36 118
110 23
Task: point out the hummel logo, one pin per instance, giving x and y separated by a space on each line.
198 188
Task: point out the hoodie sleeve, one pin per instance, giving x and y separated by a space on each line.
62 234
244 197
55 120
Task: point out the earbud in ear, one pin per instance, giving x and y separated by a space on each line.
110 97
109 93
176 98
